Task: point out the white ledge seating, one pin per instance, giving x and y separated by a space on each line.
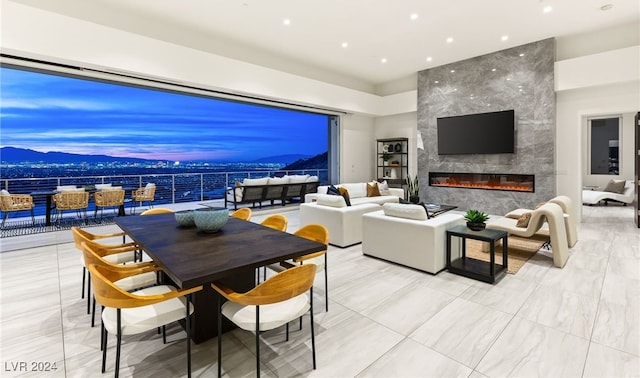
404 239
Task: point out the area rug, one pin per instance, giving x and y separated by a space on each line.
519 251
24 226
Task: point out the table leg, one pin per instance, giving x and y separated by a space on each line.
492 260
47 211
505 252
448 261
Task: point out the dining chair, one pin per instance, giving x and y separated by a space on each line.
94 253
272 304
107 198
145 194
317 233
117 253
15 202
127 313
73 200
157 210
242 213
277 222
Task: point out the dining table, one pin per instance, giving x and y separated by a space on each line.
189 258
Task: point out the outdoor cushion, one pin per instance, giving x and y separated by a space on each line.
258 181
278 180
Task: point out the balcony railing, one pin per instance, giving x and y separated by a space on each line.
170 188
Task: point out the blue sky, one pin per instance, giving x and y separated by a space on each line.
46 113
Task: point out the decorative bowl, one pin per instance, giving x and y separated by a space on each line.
211 219
185 218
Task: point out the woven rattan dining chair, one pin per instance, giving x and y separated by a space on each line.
77 200
15 202
317 233
274 303
242 213
145 194
107 198
95 253
118 253
127 313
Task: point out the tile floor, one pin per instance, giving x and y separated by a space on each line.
384 320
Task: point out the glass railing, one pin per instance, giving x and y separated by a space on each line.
170 188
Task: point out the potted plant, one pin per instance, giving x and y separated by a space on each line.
476 219
386 157
413 187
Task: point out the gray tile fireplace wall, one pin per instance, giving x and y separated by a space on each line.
520 78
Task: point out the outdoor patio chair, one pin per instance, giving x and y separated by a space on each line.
146 194
15 202
78 201
107 198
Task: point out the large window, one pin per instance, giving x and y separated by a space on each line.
51 112
604 142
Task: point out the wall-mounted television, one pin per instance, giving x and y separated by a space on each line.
482 133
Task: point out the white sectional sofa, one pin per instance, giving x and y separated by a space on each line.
401 233
343 222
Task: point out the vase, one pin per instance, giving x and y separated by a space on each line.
476 226
414 199
398 147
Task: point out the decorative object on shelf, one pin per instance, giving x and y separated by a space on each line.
390 148
398 147
211 219
413 187
386 157
476 219
385 148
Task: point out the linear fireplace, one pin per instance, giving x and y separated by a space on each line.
490 181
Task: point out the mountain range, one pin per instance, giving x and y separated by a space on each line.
9 155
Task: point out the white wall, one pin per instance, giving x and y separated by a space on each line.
356 155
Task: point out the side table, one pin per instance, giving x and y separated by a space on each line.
480 270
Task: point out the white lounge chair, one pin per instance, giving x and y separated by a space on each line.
593 197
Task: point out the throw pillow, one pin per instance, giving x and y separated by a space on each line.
523 221
333 190
372 189
383 187
539 205
345 194
615 186
238 184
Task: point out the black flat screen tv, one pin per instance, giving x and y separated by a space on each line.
483 133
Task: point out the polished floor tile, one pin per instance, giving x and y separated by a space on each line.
384 320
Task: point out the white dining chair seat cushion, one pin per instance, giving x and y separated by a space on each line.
271 316
141 319
119 258
137 281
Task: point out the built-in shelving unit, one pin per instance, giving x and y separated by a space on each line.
392 161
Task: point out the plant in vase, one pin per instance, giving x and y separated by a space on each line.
413 188
476 219
386 157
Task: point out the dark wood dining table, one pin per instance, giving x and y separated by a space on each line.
190 258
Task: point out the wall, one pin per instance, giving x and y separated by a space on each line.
398 126
356 155
520 78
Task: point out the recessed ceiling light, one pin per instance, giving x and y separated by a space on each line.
493 70
345 45
504 38
547 9
606 7
450 39
383 60
286 21
429 59
455 89
414 16
508 79
452 71
522 54
436 81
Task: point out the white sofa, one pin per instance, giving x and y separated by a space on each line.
401 233
343 222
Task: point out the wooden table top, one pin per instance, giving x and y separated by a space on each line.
191 258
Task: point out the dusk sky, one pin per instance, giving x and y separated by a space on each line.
46 113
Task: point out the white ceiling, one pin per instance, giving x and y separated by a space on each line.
253 30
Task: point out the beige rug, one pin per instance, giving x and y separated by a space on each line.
519 251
